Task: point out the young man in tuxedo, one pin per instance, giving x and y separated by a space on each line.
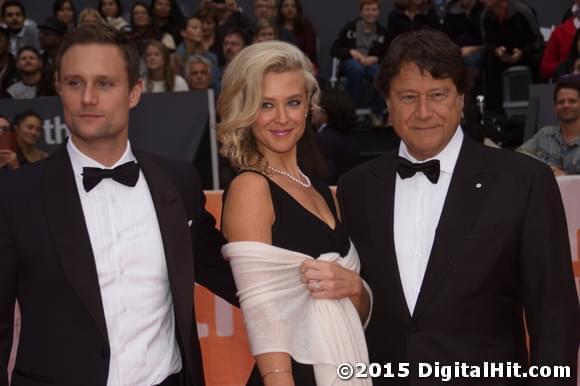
464 246
98 243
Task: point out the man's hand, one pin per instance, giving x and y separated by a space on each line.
8 157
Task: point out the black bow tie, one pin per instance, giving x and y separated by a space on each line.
126 174
406 169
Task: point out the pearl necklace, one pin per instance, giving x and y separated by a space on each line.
306 182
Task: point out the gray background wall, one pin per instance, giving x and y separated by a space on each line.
328 16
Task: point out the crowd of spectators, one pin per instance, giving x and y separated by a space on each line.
189 52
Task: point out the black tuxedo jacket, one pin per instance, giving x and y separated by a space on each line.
46 263
500 251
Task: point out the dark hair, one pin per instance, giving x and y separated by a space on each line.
299 21
567 81
176 17
20 117
237 31
57 5
339 108
119 8
10 128
431 51
28 48
13 3
140 4
103 34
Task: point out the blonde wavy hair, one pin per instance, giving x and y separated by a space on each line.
241 97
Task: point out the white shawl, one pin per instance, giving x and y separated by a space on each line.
281 316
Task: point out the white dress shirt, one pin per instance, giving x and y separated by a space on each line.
132 273
418 207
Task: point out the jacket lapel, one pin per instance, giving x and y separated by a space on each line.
67 225
469 186
176 236
380 199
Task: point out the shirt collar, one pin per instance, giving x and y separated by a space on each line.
79 160
322 127
447 157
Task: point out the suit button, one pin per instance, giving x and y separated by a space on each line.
413 329
104 353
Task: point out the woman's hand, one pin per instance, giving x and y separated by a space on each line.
8 157
329 280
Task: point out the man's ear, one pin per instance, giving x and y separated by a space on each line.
135 93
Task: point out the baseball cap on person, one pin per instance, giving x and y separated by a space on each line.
54 25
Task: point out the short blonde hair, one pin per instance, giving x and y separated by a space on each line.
241 97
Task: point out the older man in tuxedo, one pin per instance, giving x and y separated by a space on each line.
98 242
463 245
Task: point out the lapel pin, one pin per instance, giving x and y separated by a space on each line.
478 185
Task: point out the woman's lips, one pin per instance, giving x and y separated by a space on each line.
281 133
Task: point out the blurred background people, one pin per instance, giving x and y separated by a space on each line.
159 75
572 63
142 30
192 44
265 30
23 31
234 42
334 118
199 73
8 153
293 23
64 10
559 146
90 16
29 67
264 9
28 128
410 15
8 73
559 45
462 23
511 37
360 46
168 18
112 12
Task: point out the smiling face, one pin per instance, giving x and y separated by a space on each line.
425 112
29 130
567 105
93 84
281 118
370 13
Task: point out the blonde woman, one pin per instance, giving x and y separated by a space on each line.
90 16
295 268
